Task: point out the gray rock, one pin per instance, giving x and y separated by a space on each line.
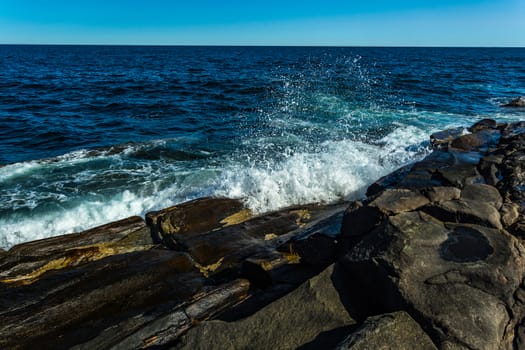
27 262
478 141
467 211
458 280
442 194
489 168
442 138
509 214
359 220
395 330
399 200
69 306
294 320
517 102
483 124
460 175
389 181
482 193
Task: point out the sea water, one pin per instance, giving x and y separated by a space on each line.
92 134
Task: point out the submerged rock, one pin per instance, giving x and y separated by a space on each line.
517 102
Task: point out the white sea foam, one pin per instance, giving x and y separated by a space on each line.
336 170
83 216
339 170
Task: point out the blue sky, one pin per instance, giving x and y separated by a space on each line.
270 22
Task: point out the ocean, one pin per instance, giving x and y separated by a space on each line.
92 134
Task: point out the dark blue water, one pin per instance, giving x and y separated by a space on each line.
91 134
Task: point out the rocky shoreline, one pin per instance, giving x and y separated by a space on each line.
434 257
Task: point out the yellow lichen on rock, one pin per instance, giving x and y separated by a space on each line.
270 236
303 215
205 270
73 257
169 228
237 218
150 341
292 256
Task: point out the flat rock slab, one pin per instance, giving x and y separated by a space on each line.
165 323
230 235
467 211
295 319
69 306
399 200
388 331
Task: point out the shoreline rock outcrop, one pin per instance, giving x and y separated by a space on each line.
442 241
433 257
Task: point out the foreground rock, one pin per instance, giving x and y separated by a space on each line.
443 241
434 257
130 285
296 319
393 331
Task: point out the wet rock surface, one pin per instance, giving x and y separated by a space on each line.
433 257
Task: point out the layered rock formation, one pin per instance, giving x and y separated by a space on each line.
132 285
432 258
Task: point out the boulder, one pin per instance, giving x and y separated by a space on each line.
467 211
459 175
388 181
195 217
484 193
441 139
442 194
395 330
489 168
509 214
359 220
483 124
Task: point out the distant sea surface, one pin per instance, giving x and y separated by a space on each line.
92 134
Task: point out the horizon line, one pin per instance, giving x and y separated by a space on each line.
267 45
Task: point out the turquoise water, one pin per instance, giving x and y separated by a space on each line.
93 134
